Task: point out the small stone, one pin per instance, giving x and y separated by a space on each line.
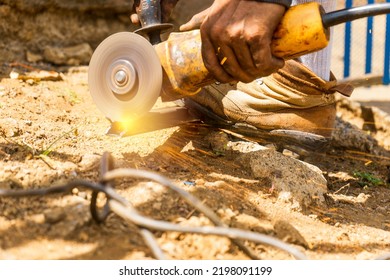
288 233
226 215
348 136
76 217
54 216
248 222
30 82
218 141
343 237
83 236
157 206
83 195
75 191
381 209
10 127
29 156
246 147
33 57
2 90
169 247
74 55
293 181
14 75
188 147
39 218
200 182
362 198
290 153
89 161
41 75
340 175
28 122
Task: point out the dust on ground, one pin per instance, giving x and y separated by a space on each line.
51 133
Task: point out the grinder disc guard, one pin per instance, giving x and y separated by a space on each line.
125 76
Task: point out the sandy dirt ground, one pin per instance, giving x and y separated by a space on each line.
51 133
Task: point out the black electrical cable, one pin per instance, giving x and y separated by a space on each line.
341 16
100 215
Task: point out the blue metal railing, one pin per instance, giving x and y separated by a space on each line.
369 41
386 67
347 43
369 46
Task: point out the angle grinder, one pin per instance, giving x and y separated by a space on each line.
128 72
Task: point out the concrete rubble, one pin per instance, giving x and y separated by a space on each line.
292 181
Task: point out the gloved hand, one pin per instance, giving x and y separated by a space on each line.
167 7
236 38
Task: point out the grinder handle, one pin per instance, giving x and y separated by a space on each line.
149 12
300 31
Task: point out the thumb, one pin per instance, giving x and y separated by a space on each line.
134 19
195 22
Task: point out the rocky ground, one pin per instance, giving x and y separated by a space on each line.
52 133
332 203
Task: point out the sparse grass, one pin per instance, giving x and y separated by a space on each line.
368 179
49 149
69 94
73 97
46 151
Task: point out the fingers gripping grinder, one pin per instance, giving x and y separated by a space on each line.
128 73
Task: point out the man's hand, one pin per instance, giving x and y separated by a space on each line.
167 7
236 38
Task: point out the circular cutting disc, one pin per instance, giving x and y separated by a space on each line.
125 76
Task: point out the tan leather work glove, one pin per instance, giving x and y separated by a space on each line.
236 39
167 7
